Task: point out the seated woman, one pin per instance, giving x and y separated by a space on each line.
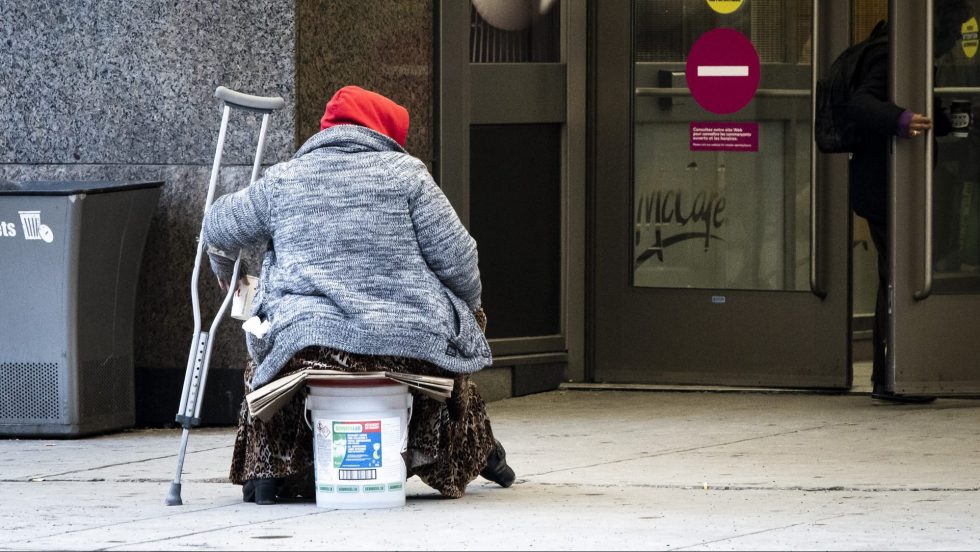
367 268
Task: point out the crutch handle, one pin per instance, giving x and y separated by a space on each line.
264 104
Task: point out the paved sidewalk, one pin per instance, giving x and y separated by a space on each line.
615 470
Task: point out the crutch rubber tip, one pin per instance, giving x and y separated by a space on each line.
173 496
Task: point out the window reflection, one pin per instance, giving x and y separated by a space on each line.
514 31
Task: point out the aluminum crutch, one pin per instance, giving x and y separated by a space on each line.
189 413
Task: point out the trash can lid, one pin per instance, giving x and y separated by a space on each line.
72 187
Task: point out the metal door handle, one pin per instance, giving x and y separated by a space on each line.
926 289
661 91
816 285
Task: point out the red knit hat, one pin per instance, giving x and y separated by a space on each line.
352 105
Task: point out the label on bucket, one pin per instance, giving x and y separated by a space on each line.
357 445
353 454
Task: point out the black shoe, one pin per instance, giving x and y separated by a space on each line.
299 486
248 491
879 393
266 490
497 469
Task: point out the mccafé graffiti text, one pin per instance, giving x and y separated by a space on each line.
689 216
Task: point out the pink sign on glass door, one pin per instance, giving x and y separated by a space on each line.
723 71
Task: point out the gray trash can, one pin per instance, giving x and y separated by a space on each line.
70 256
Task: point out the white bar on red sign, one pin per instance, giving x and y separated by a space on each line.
723 70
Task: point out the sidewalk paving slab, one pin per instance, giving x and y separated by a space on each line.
622 470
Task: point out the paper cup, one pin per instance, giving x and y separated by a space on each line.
241 302
960 115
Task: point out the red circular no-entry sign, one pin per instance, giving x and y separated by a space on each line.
723 71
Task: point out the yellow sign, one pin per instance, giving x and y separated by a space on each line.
725 6
970 38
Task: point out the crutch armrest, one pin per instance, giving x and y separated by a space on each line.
266 104
212 250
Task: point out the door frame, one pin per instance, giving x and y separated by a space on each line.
463 99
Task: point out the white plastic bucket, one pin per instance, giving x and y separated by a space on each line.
360 430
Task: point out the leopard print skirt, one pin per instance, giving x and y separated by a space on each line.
448 442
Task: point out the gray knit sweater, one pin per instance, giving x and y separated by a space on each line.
364 253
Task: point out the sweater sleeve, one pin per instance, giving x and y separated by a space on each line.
869 105
237 221
447 247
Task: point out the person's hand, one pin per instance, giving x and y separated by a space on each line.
223 284
919 124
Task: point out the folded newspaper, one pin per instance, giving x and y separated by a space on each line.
266 400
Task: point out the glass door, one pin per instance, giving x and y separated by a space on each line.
935 204
720 237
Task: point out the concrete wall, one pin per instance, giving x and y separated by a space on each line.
122 90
